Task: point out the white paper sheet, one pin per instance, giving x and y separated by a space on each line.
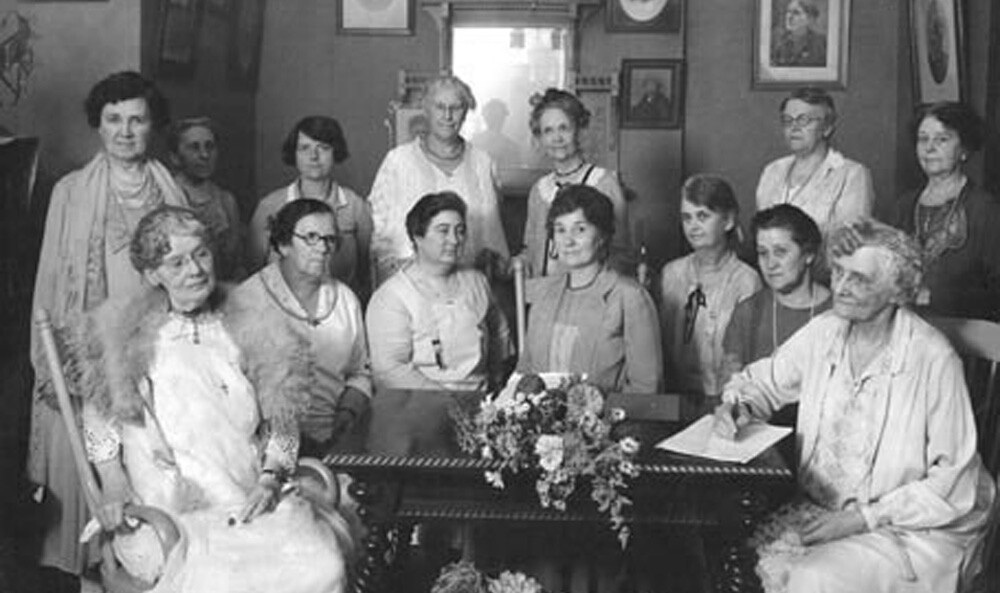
700 439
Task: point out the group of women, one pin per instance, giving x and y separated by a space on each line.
204 396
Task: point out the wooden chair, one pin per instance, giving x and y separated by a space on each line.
978 343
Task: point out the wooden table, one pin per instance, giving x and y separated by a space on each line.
407 468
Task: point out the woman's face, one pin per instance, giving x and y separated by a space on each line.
796 18
446 114
558 134
704 228
197 153
861 284
313 158
782 262
578 242
939 148
125 129
804 126
313 243
187 273
444 239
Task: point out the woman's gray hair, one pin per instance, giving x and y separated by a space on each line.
448 81
151 241
906 264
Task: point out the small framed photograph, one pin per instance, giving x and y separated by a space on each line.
801 43
644 16
375 17
246 33
937 50
180 23
652 94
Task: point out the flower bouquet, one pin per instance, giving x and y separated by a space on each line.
464 577
561 429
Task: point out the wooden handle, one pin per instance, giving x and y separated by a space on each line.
91 491
519 305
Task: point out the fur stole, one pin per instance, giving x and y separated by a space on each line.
107 355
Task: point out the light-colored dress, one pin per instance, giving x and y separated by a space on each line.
839 190
698 364
218 210
336 336
405 176
84 260
896 441
420 339
540 199
196 455
354 225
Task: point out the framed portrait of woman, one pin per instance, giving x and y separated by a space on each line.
801 42
937 50
644 16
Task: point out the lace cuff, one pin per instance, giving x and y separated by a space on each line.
100 436
281 451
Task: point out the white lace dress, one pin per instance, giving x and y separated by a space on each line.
196 457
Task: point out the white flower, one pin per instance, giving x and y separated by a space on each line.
629 445
514 582
495 479
549 449
486 452
617 415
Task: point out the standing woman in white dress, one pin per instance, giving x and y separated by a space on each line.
438 161
817 178
557 120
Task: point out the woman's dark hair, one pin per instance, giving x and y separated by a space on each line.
596 207
799 225
715 193
122 86
565 101
281 226
320 128
813 96
151 241
430 206
955 116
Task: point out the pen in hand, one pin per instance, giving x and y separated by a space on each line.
730 416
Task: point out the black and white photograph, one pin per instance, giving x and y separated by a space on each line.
799 42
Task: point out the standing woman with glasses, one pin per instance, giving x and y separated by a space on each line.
700 290
817 178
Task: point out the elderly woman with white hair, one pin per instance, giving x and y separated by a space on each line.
894 496
438 161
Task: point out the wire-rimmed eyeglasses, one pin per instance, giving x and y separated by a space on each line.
313 239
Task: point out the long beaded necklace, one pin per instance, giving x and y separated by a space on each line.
774 314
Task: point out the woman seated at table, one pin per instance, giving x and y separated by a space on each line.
955 221
172 420
314 146
434 324
589 319
816 177
319 309
558 118
894 493
788 244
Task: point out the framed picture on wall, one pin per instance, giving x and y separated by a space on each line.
246 33
406 122
375 17
644 16
180 23
936 50
652 94
801 42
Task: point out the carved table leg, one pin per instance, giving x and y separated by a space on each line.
739 560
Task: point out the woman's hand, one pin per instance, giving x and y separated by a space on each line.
730 417
116 493
263 498
833 526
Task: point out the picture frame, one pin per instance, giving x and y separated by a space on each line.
406 121
179 28
246 34
801 43
652 94
375 17
937 50
644 16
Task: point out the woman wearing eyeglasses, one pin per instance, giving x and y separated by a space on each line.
700 290
817 178
320 310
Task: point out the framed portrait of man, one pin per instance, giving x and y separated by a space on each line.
801 42
652 94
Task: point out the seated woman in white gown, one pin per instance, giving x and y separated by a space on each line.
193 410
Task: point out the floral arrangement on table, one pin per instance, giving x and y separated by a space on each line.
563 432
464 577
